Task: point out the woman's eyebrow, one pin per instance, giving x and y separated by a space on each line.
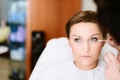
96 34
76 35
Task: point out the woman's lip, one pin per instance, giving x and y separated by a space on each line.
85 56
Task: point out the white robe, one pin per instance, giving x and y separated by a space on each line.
68 71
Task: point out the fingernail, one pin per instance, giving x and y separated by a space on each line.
110 55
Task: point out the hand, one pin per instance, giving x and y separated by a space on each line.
112 70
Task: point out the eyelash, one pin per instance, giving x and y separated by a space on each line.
93 39
77 40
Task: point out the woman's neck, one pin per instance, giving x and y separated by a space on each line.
85 66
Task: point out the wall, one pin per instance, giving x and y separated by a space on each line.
88 5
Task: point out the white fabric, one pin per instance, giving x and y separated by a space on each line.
68 71
108 48
56 52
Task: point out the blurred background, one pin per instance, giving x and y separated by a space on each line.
12 39
25 28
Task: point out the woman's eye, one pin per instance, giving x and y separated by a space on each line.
94 39
77 40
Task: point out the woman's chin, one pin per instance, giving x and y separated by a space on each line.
86 65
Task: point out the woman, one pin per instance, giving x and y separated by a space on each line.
85 36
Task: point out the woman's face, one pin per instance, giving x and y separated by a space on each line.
85 45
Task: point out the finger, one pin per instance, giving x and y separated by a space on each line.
118 57
118 61
107 60
113 62
110 60
111 56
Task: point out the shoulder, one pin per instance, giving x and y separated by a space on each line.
58 41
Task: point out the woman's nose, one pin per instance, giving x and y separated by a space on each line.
86 47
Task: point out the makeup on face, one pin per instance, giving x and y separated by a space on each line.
102 40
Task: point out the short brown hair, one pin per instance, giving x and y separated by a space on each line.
85 16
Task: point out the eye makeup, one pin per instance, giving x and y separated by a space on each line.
102 40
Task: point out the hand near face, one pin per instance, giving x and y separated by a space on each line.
114 44
112 71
